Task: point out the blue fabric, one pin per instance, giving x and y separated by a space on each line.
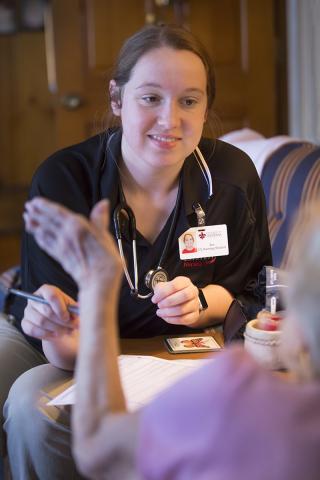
289 178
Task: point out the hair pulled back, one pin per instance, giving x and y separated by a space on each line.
156 36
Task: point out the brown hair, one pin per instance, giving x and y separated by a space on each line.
155 36
188 235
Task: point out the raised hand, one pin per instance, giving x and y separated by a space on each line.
84 248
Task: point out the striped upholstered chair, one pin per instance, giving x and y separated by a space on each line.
290 178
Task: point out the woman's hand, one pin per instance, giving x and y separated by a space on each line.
47 322
84 248
178 301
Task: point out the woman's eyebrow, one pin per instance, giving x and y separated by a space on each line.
149 84
157 85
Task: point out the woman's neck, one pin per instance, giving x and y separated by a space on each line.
149 180
150 190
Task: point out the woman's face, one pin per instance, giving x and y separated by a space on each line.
163 108
188 241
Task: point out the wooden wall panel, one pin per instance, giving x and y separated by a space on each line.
26 110
26 120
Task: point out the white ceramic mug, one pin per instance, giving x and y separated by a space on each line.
263 345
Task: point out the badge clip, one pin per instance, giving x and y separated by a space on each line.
201 216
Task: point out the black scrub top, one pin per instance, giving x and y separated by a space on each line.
80 175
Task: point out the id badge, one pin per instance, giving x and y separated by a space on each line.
203 242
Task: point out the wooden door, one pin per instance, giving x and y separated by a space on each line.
85 36
241 39
26 125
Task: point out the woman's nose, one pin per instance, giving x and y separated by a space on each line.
169 116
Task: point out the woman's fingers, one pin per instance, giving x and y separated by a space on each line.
175 292
186 320
58 303
177 301
52 319
180 309
43 323
33 329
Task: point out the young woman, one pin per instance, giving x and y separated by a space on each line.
257 426
161 178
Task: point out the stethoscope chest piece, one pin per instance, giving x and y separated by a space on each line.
155 276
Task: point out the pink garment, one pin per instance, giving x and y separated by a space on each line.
232 420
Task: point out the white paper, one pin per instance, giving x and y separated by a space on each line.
142 377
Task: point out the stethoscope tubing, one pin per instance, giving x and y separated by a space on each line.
124 207
133 287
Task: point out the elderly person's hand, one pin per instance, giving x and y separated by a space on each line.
84 248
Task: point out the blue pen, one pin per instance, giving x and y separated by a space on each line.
30 296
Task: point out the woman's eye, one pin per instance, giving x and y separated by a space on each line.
150 99
189 102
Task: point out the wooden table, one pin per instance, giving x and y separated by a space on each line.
155 346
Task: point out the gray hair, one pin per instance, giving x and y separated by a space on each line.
304 279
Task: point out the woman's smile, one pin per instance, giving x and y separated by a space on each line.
164 141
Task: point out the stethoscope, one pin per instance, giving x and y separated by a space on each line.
158 274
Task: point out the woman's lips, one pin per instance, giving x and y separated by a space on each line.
164 141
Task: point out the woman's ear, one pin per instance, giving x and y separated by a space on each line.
115 97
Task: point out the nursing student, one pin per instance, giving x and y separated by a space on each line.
162 179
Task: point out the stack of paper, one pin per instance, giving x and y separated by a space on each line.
142 377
